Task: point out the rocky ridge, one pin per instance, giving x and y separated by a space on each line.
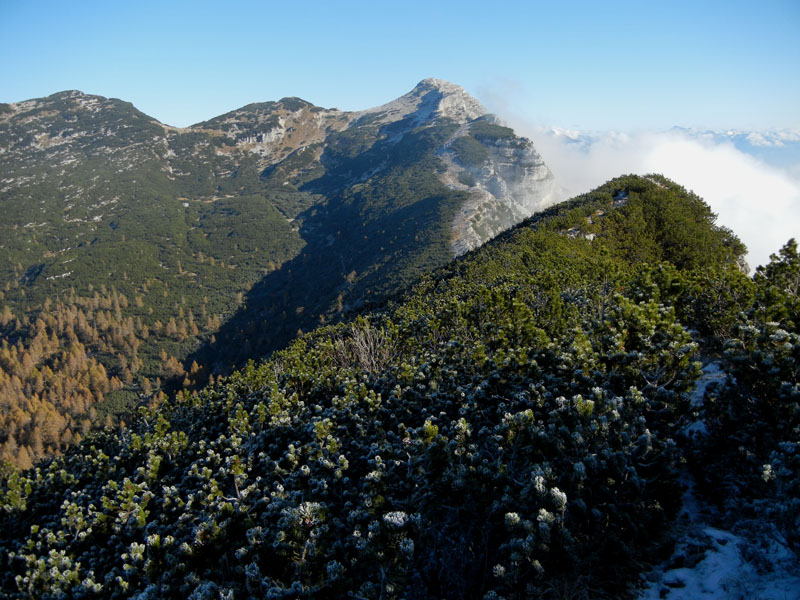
509 184
66 130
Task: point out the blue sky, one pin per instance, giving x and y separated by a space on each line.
595 65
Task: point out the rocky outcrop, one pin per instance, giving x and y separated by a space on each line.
506 184
430 101
273 130
513 184
510 184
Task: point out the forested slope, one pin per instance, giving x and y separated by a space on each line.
137 259
510 427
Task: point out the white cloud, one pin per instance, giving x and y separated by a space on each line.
760 203
758 139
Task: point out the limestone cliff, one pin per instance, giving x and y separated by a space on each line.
509 181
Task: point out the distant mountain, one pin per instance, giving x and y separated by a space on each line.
779 148
172 253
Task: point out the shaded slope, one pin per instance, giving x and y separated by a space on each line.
362 243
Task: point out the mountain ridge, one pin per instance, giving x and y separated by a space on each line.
218 242
274 131
515 421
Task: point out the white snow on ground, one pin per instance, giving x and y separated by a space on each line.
732 567
712 373
751 563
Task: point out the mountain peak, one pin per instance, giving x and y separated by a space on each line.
440 85
448 100
70 94
431 100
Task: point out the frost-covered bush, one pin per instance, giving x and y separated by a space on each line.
303 478
754 418
508 426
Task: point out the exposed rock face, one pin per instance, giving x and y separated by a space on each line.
511 183
508 186
430 101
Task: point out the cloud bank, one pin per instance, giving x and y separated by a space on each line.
759 202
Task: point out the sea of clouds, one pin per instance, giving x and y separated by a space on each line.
751 180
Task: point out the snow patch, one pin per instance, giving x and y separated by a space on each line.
709 563
712 373
734 566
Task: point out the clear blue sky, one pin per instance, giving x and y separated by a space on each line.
593 65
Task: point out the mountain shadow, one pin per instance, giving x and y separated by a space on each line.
363 243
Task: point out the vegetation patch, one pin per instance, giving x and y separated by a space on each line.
469 151
511 423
